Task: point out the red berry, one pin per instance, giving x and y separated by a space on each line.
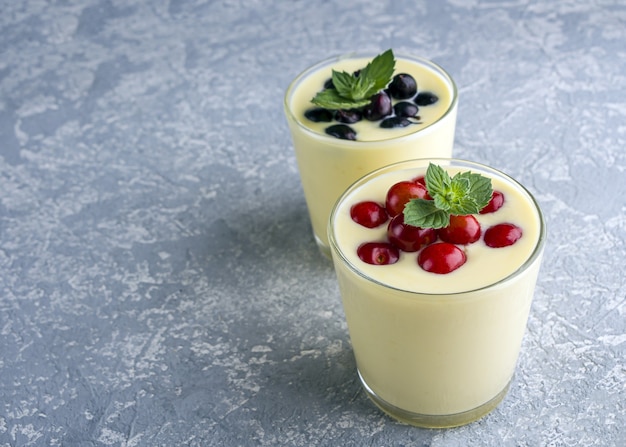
497 200
378 253
368 214
400 194
461 230
502 235
441 258
422 181
407 237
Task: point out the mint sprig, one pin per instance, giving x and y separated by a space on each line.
465 193
352 90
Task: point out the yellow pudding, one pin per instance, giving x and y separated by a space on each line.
328 165
438 349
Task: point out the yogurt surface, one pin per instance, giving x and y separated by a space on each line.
484 266
428 80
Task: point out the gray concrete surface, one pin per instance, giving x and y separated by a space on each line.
159 284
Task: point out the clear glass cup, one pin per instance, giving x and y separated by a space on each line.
437 350
328 165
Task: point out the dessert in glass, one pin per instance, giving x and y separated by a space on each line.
410 117
436 316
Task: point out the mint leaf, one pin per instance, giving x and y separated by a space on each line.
424 214
379 71
457 195
437 180
352 91
364 88
441 202
330 99
344 83
470 193
465 193
480 188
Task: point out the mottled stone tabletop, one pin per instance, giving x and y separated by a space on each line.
159 284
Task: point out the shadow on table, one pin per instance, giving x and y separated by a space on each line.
285 366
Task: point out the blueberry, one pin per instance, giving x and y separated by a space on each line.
403 86
319 115
341 131
348 116
395 121
426 99
406 109
379 107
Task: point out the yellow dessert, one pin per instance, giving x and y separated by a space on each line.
438 349
328 165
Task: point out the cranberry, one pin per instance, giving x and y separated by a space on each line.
426 99
461 230
378 253
368 214
407 237
496 201
341 131
378 108
402 86
441 258
400 193
421 180
502 235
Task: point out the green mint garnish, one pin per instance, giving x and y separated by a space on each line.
465 193
352 91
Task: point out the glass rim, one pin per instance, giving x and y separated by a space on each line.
353 55
537 251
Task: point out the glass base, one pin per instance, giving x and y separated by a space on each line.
435 420
324 249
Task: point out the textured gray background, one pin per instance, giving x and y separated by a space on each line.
159 283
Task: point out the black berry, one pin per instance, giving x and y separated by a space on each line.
319 115
395 121
426 99
341 131
403 86
379 107
406 109
348 116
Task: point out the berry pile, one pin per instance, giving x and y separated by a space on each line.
440 250
395 106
